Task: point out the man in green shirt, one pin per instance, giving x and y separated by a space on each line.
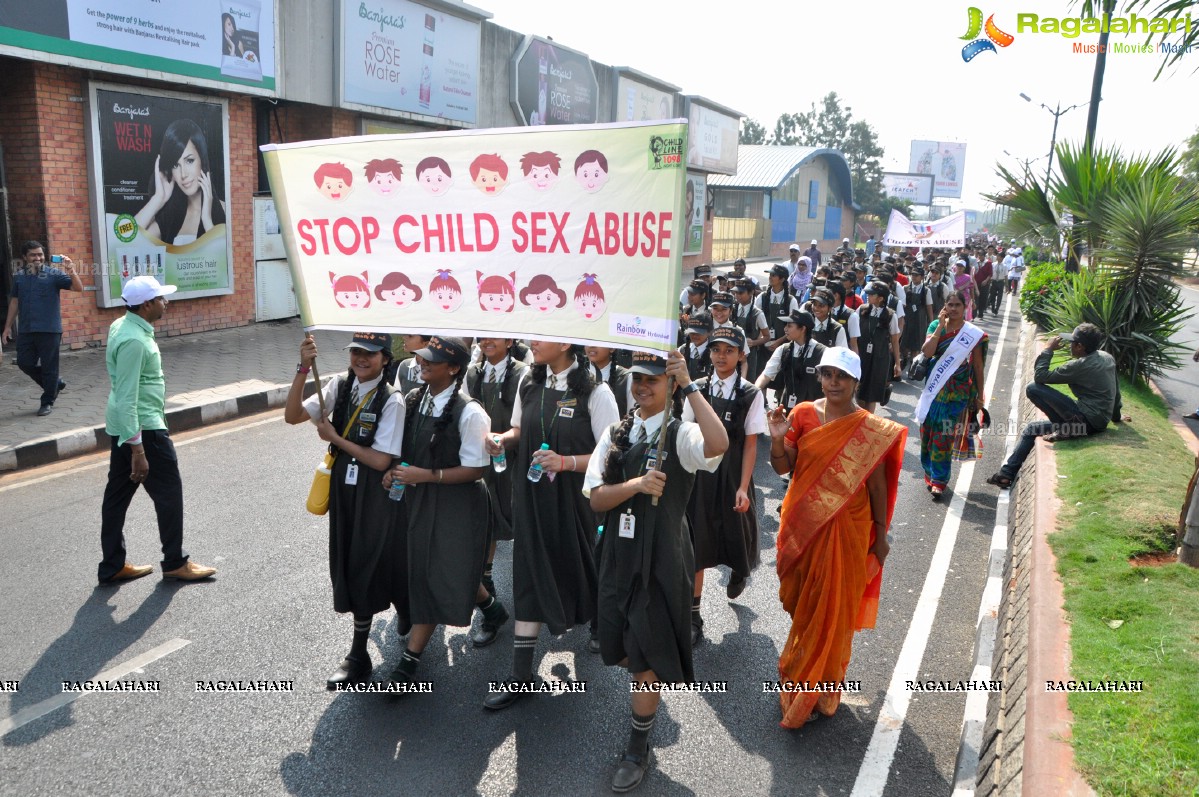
142 452
1090 374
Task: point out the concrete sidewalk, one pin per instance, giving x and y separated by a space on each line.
210 377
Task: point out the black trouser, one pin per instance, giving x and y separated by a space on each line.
1064 418
996 296
980 301
165 487
37 356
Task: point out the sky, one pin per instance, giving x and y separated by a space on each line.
898 66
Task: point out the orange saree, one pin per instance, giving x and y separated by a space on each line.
828 580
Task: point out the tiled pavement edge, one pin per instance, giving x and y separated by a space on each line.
1026 747
210 377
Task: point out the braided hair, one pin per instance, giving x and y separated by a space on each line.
764 296
614 464
413 401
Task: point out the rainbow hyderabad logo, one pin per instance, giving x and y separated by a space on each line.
977 45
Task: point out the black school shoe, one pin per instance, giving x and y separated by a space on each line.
736 586
350 671
45 410
489 629
697 631
631 771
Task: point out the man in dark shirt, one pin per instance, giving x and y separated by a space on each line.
1091 375
35 307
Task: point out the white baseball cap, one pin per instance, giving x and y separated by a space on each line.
813 242
142 289
794 247
844 240
842 359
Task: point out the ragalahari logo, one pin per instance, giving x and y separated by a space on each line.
981 45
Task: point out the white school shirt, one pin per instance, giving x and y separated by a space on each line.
688 447
755 419
823 325
601 406
474 425
775 364
878 311
389 433
605 372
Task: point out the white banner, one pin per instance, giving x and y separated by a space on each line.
949 231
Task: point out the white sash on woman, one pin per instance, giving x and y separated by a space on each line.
957 353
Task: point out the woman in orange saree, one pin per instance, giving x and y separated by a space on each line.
844 464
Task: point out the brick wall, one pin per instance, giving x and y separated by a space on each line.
43 131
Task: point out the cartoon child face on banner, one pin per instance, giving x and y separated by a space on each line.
397 290
352 292
489 173
589 298
497 293
333 180
445 291
591 170
541 169
383 175
434 175
543 294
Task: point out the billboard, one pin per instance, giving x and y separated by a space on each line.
160 180
945 161
915 188
569 233
695 197
638 98
712 138
553 85
398 55
228 44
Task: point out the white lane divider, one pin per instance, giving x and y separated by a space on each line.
103 463
880 753
44 707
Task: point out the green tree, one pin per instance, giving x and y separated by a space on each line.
1138 217
862 151
752 132
1180 43
1190 159
787 129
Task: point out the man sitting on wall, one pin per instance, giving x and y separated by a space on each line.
1090 374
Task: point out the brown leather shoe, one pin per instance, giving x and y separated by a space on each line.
128 572
189 572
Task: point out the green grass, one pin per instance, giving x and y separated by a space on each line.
1122 496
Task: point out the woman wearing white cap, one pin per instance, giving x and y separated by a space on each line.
645 558
844 464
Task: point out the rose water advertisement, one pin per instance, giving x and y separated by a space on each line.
403 56
569 233
160 176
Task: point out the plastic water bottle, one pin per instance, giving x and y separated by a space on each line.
500 461
396 493
535 471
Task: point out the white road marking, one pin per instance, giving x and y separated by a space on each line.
41 709
104 462
880 753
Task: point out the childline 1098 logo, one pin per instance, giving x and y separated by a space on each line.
666 152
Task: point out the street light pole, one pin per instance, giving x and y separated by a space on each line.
1058 113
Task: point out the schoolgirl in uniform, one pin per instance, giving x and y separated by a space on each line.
448 508
492 381
792 369
843 314
695 350
408 373
646 563
750 320
917 312
367 562
878 347
776 302
827 330
606 370
559 414
722 512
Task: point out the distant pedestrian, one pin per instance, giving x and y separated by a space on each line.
35 308
367 558
870 245
813 254
142 452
